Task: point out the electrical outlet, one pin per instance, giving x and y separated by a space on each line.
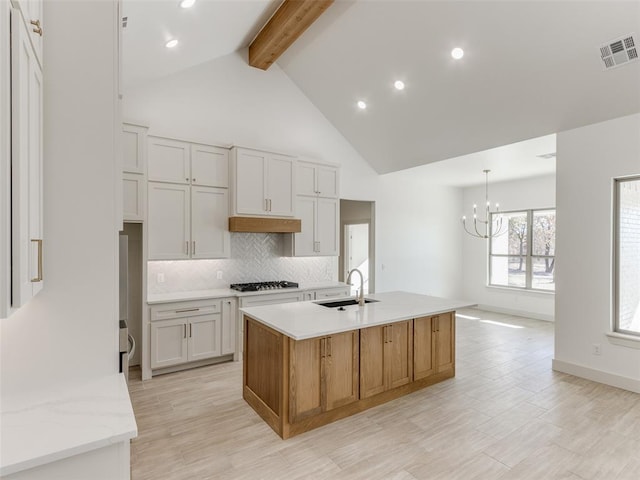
596 349
219 275
160 278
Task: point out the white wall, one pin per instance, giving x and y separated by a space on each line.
418 236
537 192
68 333
588 159
226 102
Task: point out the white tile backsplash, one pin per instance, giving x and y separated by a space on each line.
255 257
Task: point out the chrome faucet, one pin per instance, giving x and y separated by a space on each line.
360 295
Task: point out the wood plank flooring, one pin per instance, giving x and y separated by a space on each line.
506 415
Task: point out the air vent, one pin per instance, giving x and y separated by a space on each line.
547 155
619 51
124 22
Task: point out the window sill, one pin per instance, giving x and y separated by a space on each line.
624 340
521 290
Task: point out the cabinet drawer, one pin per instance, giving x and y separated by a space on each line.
332 293
270 299
185 309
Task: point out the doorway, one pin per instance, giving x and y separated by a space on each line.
357 242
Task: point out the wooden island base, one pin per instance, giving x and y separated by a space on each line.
299 385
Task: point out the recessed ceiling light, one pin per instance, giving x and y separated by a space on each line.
399 84
361 105
171 43
187 3
457 53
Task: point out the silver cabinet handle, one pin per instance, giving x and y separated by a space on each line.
193 180
194 248
39 278
184 329
187 246
190 330
328 346
188 310
187 179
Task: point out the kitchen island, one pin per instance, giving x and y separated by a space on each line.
306 365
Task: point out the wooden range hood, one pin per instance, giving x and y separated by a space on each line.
265 225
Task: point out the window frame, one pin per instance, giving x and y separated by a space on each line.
616 255
528 256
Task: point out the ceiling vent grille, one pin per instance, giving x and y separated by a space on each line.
619 52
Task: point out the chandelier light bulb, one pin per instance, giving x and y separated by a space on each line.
361 105
171 43
399 84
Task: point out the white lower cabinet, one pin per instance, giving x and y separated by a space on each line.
332 293
184 332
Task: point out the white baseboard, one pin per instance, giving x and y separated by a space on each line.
519 313
599 376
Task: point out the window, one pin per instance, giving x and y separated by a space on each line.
522 254
626 274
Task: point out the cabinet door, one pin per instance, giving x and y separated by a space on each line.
250 185
133 187
168 160
445 342
209 222
168 221
279 186
305 243
32 11
423 347
306 179
204 337
372 371
399 354
340 370
209 166
228 326
168 343
327 181
134 143
305 378
26 165
327 221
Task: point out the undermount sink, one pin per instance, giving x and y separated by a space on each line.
343 303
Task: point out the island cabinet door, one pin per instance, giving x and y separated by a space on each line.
434 345
424 347
372 374
445 342
386 357
399 354
323 374
305 378
340 370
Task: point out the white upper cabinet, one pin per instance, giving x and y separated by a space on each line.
134 145
316 179
327 221
133 196
32 12
26 166
168 160
262 182
209 166
209 222
168 219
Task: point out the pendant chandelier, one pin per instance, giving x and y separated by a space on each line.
485 228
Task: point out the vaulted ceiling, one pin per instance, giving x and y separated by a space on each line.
530 68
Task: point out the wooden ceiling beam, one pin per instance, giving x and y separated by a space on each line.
291 19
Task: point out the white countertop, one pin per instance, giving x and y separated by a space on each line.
55 426
227 292
304 320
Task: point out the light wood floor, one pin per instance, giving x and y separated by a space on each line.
506 415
